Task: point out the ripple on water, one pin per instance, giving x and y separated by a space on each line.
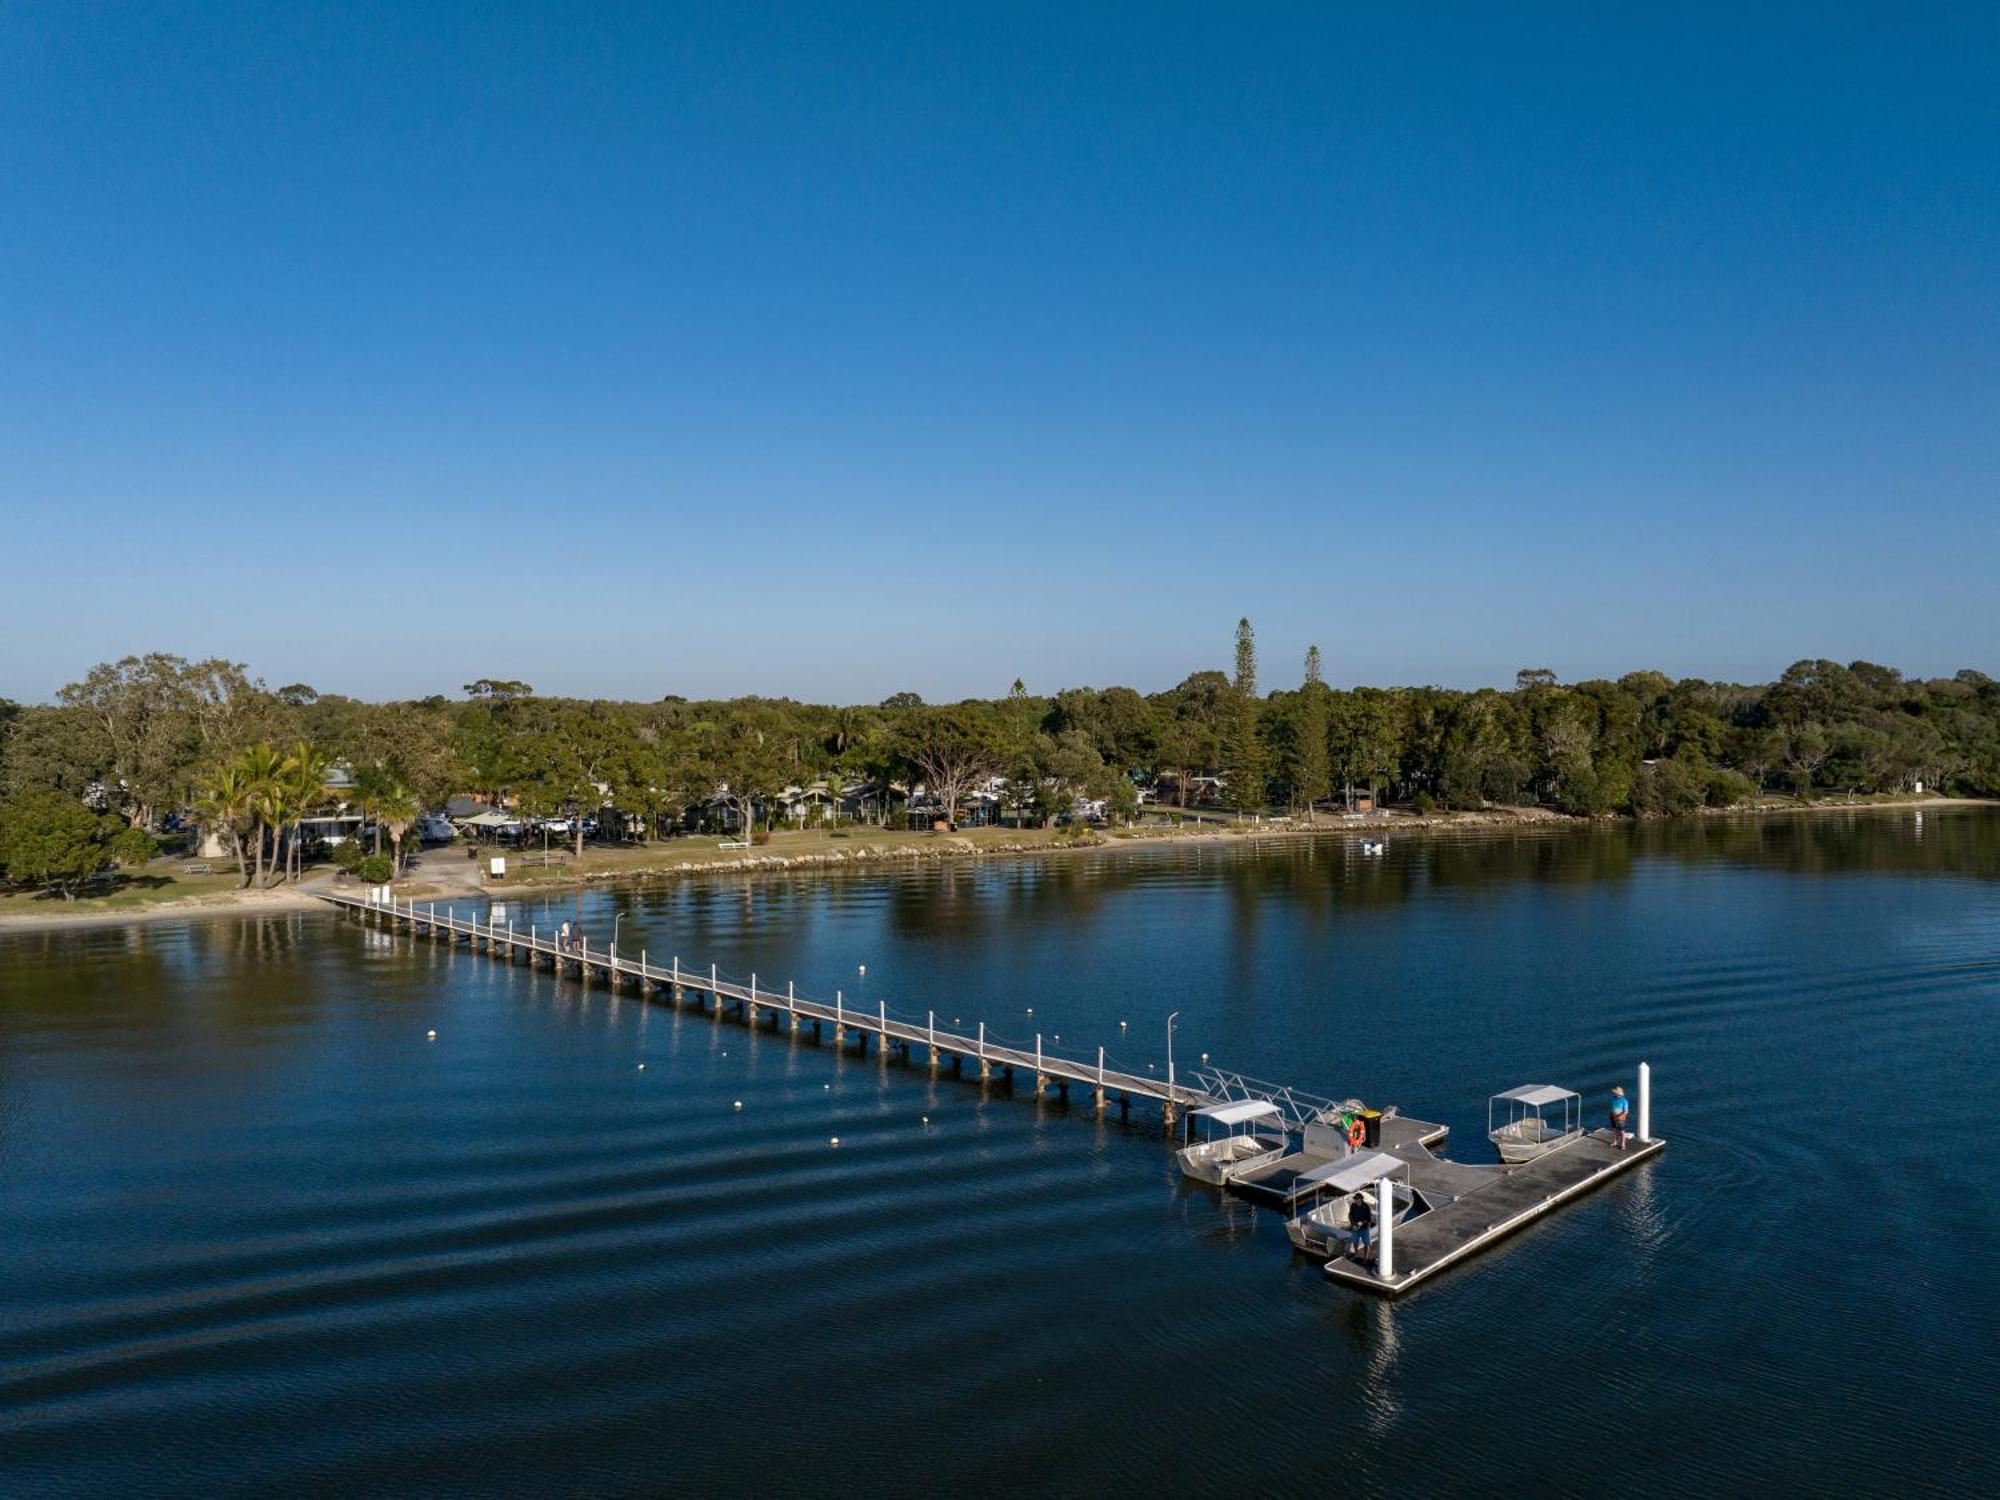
264 1235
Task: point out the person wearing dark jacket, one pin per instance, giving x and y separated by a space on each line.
1360 1223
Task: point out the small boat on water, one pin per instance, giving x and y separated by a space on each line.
1374 847
1533 1120
1329 1190
1236 1137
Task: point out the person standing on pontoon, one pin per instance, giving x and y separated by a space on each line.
1360 1222
1619 1112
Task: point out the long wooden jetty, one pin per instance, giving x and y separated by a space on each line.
1474 1205
1108 1085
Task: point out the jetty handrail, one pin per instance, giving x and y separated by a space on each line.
1300 1107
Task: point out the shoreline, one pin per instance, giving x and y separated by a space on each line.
944 847
227 904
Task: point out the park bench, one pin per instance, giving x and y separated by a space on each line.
734 844
200 867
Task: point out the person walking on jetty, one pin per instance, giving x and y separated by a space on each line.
562 938
1620 1111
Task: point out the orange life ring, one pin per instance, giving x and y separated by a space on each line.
1356 1133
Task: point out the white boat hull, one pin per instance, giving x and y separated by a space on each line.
1215 1162
1515 1149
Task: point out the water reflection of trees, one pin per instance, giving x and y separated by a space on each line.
1960 841
971 904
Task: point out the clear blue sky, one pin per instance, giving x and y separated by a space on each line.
836 350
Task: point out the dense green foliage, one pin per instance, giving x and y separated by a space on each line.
154 735
48 839
374 868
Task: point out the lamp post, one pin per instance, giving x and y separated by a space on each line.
1170 1056
614 935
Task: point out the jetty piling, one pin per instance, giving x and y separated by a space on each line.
612 969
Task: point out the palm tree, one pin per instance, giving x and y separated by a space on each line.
390 805
263 768
305 776
397 809
224 805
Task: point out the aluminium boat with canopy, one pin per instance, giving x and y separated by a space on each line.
1322 1229
1533 1120
1237 1137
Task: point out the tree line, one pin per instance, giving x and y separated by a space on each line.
139 742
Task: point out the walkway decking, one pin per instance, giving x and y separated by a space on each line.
1279 1182
1109 1084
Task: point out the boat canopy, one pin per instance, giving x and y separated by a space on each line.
1535 1095
1349 1174
1237 1113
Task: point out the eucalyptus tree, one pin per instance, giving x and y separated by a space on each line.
566 758
744 759
163 718
952 750
139 703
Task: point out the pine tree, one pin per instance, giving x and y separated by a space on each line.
1314 778
1246 760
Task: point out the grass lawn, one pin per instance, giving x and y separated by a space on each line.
147 885
672 854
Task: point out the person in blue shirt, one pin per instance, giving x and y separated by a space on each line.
1619 1112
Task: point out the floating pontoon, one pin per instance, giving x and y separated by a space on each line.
1467 1208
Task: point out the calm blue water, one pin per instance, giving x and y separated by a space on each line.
261 1236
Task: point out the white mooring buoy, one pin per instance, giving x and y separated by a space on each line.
834 1142
431 1035
737 1105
